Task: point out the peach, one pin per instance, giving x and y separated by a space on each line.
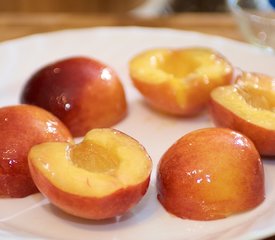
248 106
82 92
21 127
179 81
102 177
210 174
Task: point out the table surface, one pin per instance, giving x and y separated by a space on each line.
21 24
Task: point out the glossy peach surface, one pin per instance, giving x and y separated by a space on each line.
179 81
148 220
21 127
102 177
84 93
248 107
210 174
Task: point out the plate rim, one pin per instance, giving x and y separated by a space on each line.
269 231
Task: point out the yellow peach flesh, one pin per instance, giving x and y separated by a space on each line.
256 105
258 98
103 163
161 65
256 80
94 158
181 69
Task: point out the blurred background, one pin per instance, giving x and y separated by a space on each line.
137 7
24 17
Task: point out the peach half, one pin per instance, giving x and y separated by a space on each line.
210 174
82 92
102 177
248 107
179 81
21 127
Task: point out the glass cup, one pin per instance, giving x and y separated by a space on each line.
256 19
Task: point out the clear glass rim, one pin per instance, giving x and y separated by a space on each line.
234 7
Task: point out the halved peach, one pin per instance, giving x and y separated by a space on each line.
102 177
82 92
248 107
209 174
21 127
179 81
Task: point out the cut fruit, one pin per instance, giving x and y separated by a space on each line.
94 158
101 177
179 81
21 127
248 107
210 174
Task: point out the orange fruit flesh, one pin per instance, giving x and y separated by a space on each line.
254 104
106 161
183 70
160 65
94 158
257 89
173 64
258 98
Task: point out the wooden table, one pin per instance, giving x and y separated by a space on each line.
18 25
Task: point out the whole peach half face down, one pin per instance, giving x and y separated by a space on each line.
83 92
210 174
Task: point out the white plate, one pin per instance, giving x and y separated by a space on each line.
35 217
